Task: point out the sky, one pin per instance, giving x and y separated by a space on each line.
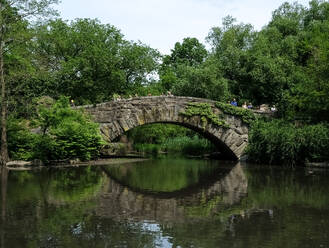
161 23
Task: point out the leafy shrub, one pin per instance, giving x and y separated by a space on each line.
20 139
66 133
279 142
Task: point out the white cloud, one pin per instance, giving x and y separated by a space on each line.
161 23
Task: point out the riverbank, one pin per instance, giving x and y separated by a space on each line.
28 165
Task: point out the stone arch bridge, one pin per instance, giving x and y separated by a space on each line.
117 117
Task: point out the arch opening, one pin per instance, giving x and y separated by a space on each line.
195 140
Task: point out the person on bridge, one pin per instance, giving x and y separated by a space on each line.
273 108
234 102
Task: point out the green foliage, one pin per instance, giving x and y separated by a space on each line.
186 72
152 149
286 63
246 115
16 34
193 146
67 133
189 52
152 88
278 142
169 138
90 61
201 81
206 114
184 145
157 133
20 139
230 46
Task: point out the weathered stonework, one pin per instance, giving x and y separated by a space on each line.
117 117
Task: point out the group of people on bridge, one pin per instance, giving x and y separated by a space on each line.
244 105
262 107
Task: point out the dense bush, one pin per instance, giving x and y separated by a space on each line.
20 139
278 142
65 134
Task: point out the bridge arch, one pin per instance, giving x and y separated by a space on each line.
117 117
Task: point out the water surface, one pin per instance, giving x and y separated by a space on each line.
165 203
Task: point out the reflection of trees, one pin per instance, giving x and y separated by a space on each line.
280 189
57 186
285 208
44 206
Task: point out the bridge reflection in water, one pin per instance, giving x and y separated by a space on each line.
122 202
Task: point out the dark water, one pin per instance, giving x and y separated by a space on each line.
165 203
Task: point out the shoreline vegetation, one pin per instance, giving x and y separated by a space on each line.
284 143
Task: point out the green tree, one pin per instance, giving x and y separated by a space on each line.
188 53
201 81
13 26
187 71
310 96
230 45
90 61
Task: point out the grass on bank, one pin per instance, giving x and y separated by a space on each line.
192 146
279 142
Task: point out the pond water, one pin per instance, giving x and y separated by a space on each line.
165 203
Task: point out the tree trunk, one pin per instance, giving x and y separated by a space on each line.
4 148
